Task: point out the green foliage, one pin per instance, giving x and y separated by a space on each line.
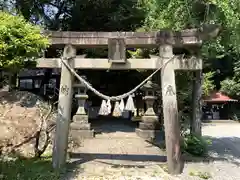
27 168
135 54
182 14
20 42
195 145
165 14
208 83
183 82
235 113
149 15
145 14
230 87
202 175
179 15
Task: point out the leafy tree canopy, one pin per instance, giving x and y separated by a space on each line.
181 14
208 84
220 54
20 42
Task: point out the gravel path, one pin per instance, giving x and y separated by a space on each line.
123 155
225 153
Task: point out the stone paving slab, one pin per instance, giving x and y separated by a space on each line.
118 155
124 150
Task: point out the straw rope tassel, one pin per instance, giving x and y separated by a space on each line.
103 109
117 111
109 107
130 104
121 105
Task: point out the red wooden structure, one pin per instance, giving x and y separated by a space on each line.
219 98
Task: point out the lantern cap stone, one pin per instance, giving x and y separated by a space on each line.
150 86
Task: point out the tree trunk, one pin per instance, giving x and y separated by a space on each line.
12 81
196 123
1 79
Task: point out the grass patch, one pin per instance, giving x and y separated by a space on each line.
20 168
202 175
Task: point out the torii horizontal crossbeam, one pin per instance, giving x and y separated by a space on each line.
153 63
191 37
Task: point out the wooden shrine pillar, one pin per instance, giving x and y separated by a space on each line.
196 122
170 111
64 111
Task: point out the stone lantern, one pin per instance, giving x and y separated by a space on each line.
80 126
149 122
81 97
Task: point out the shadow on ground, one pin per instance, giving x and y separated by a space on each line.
85 157
221 149
111 125
227 148
77 159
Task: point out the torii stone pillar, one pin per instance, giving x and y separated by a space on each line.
170 111
64 111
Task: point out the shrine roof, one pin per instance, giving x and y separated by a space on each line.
218 97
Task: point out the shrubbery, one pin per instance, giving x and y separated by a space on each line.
20 42
195 145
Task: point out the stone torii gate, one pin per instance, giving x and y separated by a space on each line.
117 42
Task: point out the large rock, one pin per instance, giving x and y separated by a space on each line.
20 116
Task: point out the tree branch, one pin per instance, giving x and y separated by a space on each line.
37 134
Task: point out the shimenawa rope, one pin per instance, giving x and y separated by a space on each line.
112 98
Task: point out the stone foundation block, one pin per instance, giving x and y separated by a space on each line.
145 134
146 126
150 126
148 134
80 126
83 119
149 119
82 134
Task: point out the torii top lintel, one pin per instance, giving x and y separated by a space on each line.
192 37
